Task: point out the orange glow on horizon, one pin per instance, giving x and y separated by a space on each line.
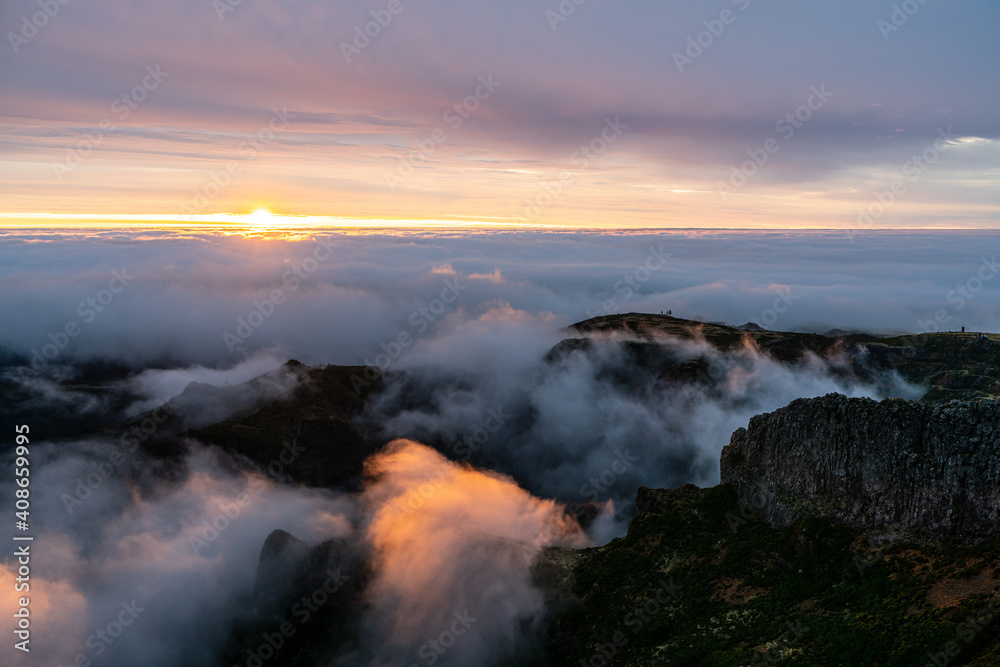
262 221
258 221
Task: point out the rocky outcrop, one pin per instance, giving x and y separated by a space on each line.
308 435
897 468
306 604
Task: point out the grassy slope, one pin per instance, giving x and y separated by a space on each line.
809 594
952 365
316 417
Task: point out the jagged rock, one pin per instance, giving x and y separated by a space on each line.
309 597
307 435
280 562
896 468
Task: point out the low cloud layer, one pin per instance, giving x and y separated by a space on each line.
346 299
130 567
594 424
465 329
136 569
454 549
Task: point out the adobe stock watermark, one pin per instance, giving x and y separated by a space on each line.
786 126
635 620
381 19
780 647
30 27
121 108
220 179
912 171
782 303
495 419
454 117
417 496
263 309
436 647
631 283
899 17
699 43
598 486
223 7
230 512
967 631
86 485
562 12
88 310
301 610
752 509
961 295
420 320
102 638
583 157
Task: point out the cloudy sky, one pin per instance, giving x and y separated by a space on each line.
729 113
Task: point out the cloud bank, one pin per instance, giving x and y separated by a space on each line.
346 299
156 569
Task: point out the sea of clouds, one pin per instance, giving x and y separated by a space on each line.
464 326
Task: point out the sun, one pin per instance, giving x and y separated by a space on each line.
261 215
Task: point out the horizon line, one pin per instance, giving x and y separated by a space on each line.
263 220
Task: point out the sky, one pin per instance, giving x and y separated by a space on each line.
729 113
197 191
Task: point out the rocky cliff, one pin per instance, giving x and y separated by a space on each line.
897 469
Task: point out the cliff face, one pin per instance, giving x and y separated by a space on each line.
893 468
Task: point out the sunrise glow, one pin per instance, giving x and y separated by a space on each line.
475 334
269 118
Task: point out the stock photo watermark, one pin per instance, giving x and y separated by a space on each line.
436 647
631 283
122 108
899 17
420 320
131 439
786 126
264 309
961 295
223 7
598 486
302 611
212 529
562 12
782 303
752 508
220 179
583 157
417 496
912 171
637 618
88 310
363 36
101 639
31 26
699 43
494 421
454 117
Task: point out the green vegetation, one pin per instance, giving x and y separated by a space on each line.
315 420
812 593
951 365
